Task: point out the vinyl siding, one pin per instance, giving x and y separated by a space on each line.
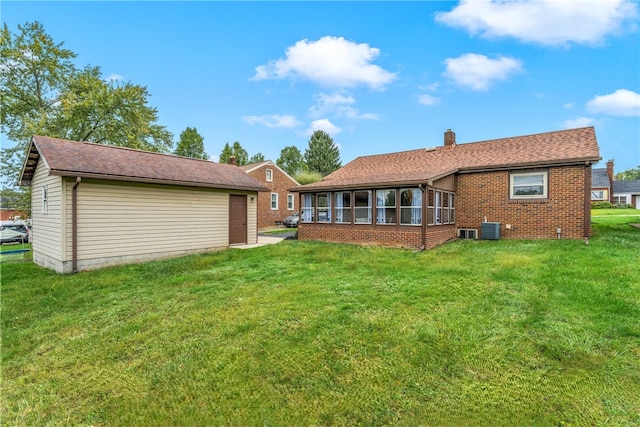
126 220
47 228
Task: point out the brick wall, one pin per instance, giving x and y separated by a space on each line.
280 184
487 194
379 235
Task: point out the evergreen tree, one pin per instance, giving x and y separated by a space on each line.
191 144
291 160
322 154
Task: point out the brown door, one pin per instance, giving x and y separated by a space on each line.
237 219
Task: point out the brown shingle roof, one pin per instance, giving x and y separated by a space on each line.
90 160
419 166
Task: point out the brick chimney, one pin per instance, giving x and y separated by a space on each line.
610 175
233 161
449 138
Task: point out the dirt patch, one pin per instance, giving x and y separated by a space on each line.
635 225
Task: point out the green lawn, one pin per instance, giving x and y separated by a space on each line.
539 333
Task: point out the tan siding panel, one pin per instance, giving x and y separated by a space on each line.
122 219
46 233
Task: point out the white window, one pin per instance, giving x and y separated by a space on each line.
599 195
385 206
620 200
529 185
324 207
274 201
362 208
343 207
411 206
308 205
290 202
269 175
45 199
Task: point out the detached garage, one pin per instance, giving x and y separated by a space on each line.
95 205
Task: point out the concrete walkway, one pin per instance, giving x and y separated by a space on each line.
266 239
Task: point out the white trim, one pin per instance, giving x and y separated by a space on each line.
268 175
291 202
272 200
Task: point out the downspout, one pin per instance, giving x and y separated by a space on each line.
74 225
423 188
587 202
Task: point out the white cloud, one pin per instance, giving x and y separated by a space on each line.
273 121
325 125
546 22
622 102
114 78
331 62
426 99
578 122
569 105
478 72
327 103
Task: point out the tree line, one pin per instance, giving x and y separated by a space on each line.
42 92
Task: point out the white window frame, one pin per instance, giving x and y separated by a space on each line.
617 199
290 202
545 185
414 209
269 175
382 207
599 195
357 208
45 199
341 209
274 201
323 212
307 213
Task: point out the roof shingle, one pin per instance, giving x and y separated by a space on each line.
90 160
417 166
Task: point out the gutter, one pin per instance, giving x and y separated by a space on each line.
74 225
423 188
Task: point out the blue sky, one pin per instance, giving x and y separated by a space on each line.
377 76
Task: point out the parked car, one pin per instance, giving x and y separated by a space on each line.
17 226
291 220
9 235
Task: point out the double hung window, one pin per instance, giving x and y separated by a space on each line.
324 207
274 201
529 185
385 206
362 207
308 207
411 206
290 202
343 207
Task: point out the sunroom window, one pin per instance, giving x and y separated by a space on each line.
324 207
529 185
343 207
385 206
308 207
362 209
411 206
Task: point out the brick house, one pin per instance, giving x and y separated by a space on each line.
524 187
278 203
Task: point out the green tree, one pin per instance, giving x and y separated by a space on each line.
43 93
234 150
629 174
191 144
291 160
322 154
256 158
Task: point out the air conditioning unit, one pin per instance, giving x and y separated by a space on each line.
468 233
490 231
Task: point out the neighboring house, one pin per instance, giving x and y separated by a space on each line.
278 203
8 212
604 187
601 179
95 205
627 193
525 187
